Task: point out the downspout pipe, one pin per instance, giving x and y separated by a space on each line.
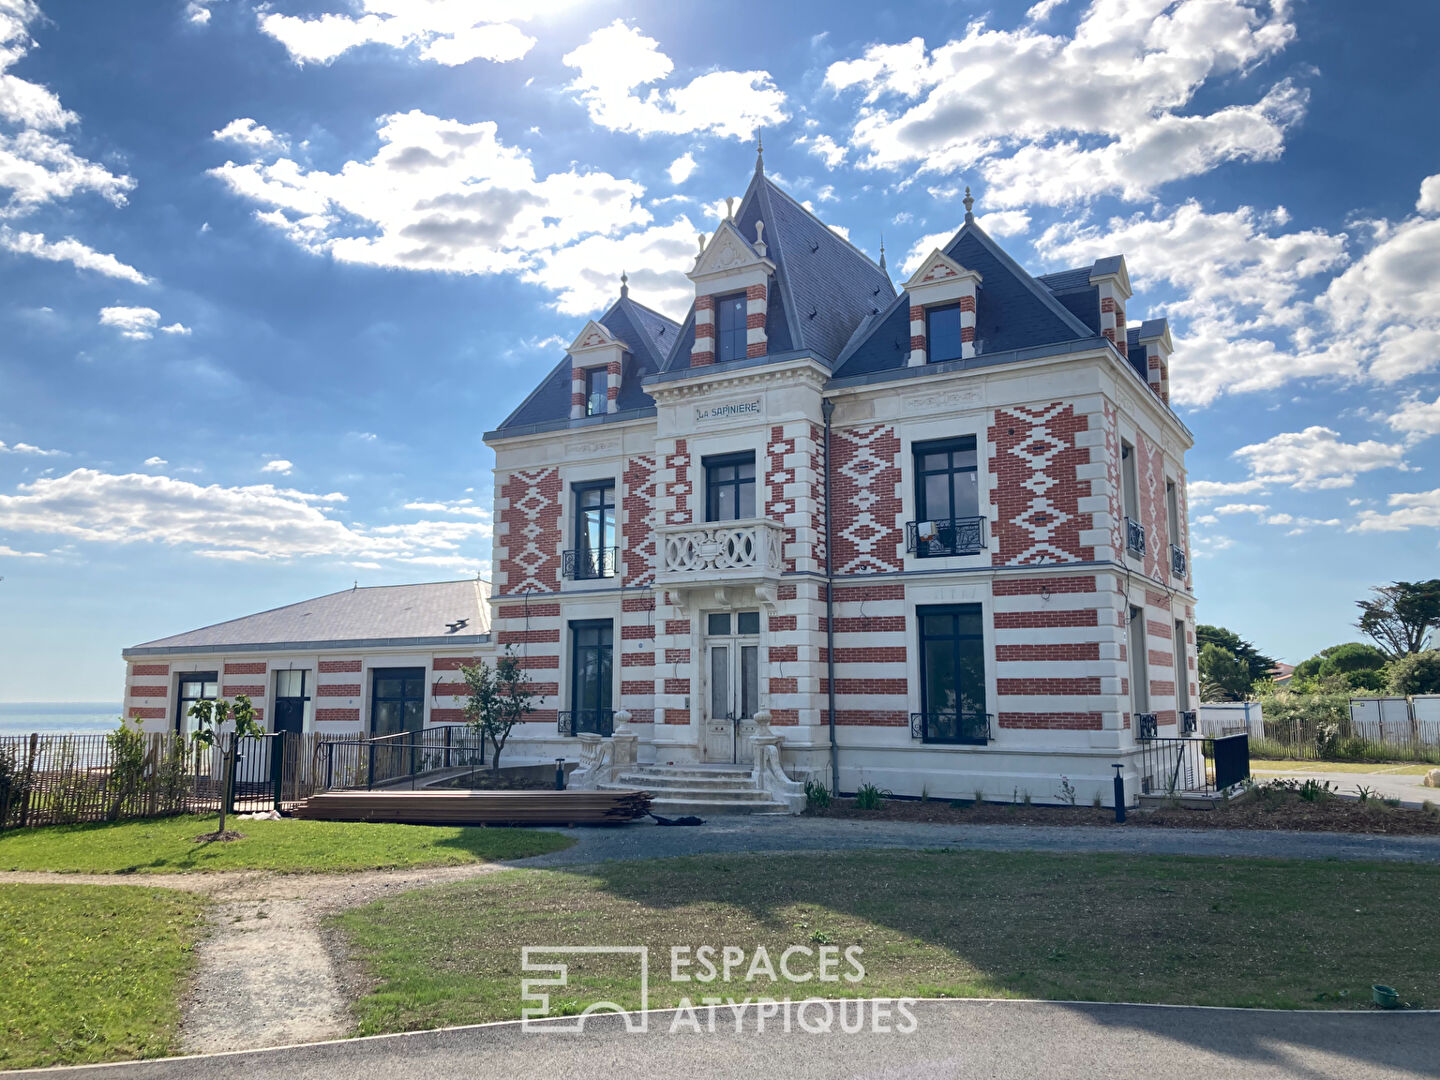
827 409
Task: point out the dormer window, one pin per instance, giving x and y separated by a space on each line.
597 382
730 327
943 333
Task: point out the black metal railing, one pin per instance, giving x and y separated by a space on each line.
1147 725
585 564
587 722
1177 561
1135 536
1194 765
385 760
1189 722
952 536
959 728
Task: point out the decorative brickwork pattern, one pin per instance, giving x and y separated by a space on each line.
1036 491
639 520
679 487
532 514
777 477
866 499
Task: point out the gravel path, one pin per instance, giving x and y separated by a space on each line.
267 975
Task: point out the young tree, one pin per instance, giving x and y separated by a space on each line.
1401 616
500 698
210 718
1223 676
1418 673
1256 663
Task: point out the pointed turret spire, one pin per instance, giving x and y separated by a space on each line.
969 202
759 152
624 285
882 253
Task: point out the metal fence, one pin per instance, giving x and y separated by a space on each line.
387 760
1196 765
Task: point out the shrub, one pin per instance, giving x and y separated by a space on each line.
869 797
1418 673
817 795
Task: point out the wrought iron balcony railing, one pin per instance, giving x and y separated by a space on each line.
952 536
1189 723
584 564
720 551
1177 561
1147 725
587 722
964 728
1134 536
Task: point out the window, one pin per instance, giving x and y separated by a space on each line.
952 675
594 530
942 334
1128 481
947 498
597 382
1172 512
194 686
591 643
730 327
397 700
730 487
1182 679
1139 665
292 701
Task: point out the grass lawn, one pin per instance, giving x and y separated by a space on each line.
1291 934
1258 765
166 845
92 972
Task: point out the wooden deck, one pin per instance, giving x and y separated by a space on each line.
478 807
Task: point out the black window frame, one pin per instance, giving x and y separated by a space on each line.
950 447
934 726
597 718
592 391
595 561
738 484
932 355
182 702
731 342
404 675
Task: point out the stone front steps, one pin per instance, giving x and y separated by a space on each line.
697 789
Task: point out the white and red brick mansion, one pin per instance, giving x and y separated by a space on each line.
934 534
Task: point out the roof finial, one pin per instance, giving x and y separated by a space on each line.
729 207
969 202
759 152
624 284
882 253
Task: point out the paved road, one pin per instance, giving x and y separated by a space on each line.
995 1040
740 833
1409 788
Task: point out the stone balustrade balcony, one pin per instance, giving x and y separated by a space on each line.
720 553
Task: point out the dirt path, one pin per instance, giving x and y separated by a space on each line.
266 975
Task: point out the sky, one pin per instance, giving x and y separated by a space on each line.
269 270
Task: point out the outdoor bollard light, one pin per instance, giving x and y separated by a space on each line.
559 774
1119 794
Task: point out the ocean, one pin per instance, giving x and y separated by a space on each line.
58 717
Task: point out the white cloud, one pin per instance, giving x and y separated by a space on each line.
156 461
1005 222
135 323
1429 201
27 448
1316 458
81 256
1242 508
1419 509
447 32
682 167
617 59
923 247
825 148
1200 490
1045 118
459 507
246 132
1416 418
176 328
444 195
278 465
585 274
253 522
8 552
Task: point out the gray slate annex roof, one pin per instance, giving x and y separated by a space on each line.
381 613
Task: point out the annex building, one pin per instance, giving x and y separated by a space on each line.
930 535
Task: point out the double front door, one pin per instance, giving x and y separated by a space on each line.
732 670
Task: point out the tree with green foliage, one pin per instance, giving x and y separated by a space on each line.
210 718
127 763
499 698
1257 664
1353 664
1223 676
1401 616
1418 673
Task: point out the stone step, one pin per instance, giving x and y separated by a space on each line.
737 795
721 772
659 782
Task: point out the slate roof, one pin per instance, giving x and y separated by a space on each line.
382 614
646 333
1013 311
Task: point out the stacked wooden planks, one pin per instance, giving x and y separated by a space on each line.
478 807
